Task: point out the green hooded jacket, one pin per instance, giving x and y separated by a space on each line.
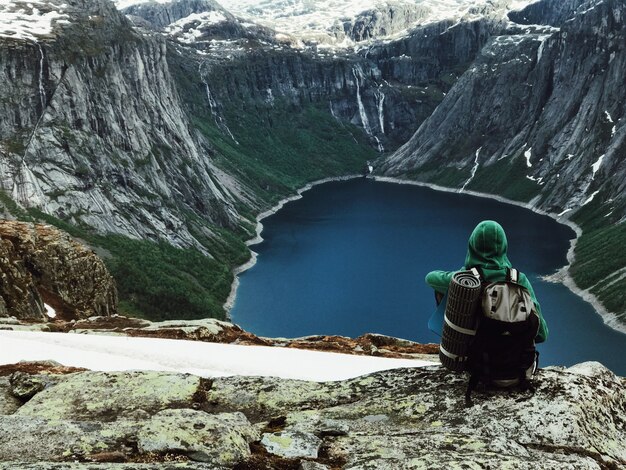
487 248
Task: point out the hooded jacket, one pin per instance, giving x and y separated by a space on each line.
487 249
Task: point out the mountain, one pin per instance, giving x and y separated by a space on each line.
158 130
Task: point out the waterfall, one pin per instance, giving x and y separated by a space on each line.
42 90
364 120
474 169
219 120
379 145
381 116
332 111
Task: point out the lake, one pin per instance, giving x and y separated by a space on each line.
350 258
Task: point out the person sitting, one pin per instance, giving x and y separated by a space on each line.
487 251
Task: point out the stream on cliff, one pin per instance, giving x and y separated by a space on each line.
350 258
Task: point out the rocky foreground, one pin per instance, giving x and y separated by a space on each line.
52 417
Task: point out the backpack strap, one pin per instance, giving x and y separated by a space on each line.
512 275
473 381
476 271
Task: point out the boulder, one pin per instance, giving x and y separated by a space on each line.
40 265
104 396
221 438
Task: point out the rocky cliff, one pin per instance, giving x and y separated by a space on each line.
94 132
54 417
46 273
538 114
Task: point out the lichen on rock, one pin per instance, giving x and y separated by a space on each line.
404 418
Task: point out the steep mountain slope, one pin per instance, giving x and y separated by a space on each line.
94 132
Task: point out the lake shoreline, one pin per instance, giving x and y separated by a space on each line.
230 300
562 275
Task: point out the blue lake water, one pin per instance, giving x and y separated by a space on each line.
350 258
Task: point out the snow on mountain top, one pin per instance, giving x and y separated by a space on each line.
121 4
117 353
189 29
311 17
30 20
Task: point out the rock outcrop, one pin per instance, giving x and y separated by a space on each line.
40 265
162 14
407 418
384 20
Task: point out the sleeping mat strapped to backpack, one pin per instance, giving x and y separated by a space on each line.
459 325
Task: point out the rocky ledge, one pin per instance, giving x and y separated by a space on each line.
41 266
216 331
57 418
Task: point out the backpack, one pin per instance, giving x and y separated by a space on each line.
503 353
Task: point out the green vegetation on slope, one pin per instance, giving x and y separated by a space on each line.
507 178
281 148
600 265
158 281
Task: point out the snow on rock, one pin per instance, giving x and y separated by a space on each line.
596 166
314 19
115 353
30 20
527 155
121 4
50 312
188 29
590 198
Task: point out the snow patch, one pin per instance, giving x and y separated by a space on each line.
596 166
527 155
119 353
318 19
50 311
30 20
564 212
189 29
590 198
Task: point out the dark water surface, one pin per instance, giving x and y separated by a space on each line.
350 258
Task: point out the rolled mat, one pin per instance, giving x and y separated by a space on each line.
459 326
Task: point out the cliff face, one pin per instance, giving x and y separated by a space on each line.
40 266
384 20
538 114
407 418
94 132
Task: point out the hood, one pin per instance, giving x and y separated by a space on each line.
487 247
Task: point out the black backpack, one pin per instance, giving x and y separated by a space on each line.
502 353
